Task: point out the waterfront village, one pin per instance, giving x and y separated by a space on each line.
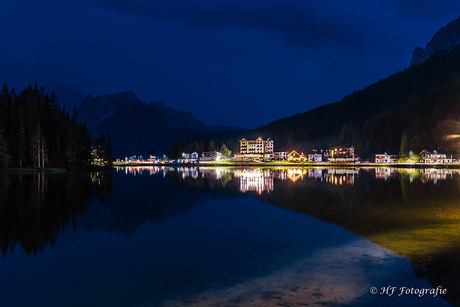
262 150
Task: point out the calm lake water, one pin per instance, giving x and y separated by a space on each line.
156 236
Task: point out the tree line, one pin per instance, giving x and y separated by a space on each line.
36 132
200 145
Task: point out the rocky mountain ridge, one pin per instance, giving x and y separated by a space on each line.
443 40
95 109
137 128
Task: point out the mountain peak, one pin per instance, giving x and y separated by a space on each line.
443 40
95 109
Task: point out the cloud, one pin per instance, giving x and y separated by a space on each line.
426 9
303 23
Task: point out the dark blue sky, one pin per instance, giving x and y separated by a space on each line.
230 62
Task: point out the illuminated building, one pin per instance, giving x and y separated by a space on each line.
433 157
281 155
315 156
294 156
386 157
210 156
190 156
341 154
158 158
256 149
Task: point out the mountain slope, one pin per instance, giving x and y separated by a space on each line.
443 40
95 109
185 120
415 102
139 129
179 119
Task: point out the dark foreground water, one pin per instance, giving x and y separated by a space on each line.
230 237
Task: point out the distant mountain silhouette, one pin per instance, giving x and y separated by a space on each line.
183 119
138 129
179 119
95 109
68 96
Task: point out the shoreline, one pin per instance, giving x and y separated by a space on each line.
234 164
53 170
291 164
33 170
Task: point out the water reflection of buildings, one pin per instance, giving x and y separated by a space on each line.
251 179
135 170
316 173
340 176
262 180
412 172
213 173
386 173
433 174
258 180
188 172
295 174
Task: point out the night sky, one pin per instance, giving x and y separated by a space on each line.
230 62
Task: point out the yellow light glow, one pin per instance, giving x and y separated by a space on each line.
451 136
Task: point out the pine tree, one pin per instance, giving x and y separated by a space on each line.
225 151
38 148
210 146
19 140
109 152
36 129
3 148
404 148
85 144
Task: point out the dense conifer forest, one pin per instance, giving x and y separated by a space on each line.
35 132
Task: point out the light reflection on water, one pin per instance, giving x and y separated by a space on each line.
262 179
333 276
208 236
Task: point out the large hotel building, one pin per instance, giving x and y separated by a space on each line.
256 149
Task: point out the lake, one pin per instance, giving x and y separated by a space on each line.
197 236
